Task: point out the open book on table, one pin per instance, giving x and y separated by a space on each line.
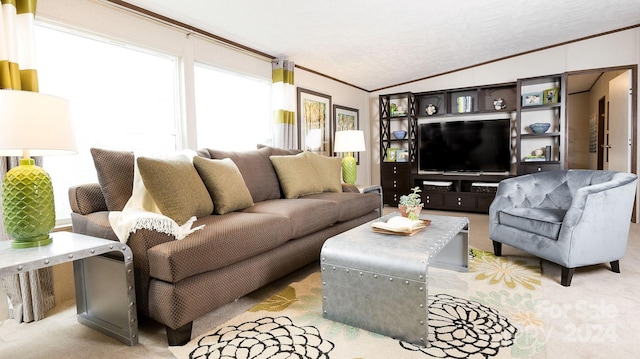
400 225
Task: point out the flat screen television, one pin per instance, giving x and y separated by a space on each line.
465 146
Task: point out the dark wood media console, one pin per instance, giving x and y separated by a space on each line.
469 192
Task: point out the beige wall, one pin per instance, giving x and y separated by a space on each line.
579 111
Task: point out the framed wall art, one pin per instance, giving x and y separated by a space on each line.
345 119
314 122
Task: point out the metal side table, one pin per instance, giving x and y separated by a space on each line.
103 272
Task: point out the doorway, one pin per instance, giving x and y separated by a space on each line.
596 137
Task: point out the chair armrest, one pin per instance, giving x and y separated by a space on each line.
615 193
87 198
596 226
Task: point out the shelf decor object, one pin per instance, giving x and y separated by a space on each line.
550 95
532 99
348 142
399 135
32 124
540 127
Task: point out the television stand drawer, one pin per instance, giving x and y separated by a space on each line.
460 200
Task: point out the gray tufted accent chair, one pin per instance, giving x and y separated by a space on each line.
573 218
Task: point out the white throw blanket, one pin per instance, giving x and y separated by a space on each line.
141 212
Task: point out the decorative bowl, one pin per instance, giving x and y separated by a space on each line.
399 134
540 127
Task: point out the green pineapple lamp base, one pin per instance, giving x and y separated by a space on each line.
27 205
349 169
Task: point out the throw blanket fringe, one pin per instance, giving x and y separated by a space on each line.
165 225
141 212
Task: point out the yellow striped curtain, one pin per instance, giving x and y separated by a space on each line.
284 104
31 293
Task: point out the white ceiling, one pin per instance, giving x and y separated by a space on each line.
373 44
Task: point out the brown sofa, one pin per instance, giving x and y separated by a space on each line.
236 252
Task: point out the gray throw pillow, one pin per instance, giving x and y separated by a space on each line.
115 176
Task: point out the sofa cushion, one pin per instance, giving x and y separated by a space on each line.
545 222
350 205
305 215
256 169
176 187
328 170
115 176
224 183
296 175
223 241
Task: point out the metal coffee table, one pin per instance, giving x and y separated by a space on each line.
378 282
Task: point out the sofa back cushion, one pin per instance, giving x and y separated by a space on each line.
176 187
224 183
256 169
115 176
276 151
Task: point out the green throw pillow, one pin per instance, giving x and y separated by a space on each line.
328 170
224 183
296 175
176 187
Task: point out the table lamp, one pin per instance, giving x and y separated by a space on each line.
31 124
349 142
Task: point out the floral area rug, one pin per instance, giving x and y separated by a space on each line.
488 312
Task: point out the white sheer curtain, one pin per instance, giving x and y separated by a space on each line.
284 104
31 293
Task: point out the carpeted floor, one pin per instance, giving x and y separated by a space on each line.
594 318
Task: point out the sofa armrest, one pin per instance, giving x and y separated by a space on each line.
346 187
87 198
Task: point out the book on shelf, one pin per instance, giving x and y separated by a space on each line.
535 158
400 225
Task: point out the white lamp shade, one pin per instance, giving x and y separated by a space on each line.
349 141
37 123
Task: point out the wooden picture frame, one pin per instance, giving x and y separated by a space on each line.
314 122
532 99
550 96
392 154
345 119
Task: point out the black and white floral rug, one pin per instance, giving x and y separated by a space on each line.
490 312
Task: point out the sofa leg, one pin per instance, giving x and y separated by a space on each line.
497 248
179 336
567 274
615 266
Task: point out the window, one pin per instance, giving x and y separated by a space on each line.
121 98
233 111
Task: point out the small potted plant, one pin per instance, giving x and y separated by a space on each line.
410 205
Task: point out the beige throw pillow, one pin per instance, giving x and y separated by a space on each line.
328 170
176 187
296 175
224 183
